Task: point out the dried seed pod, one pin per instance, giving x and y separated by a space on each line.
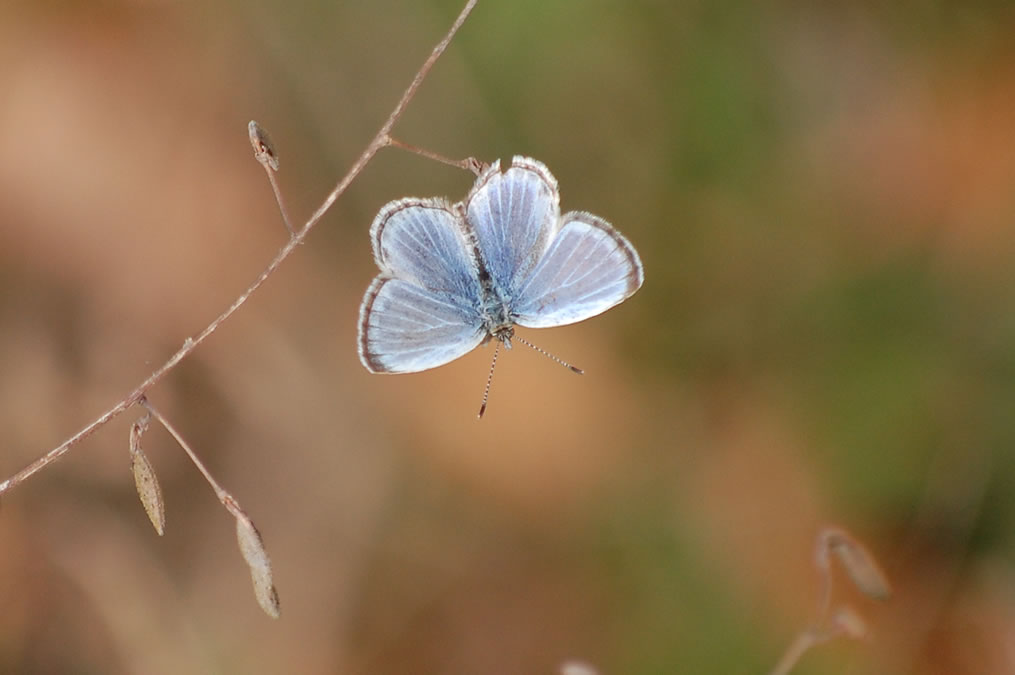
264 151
252 548
859 564
145 480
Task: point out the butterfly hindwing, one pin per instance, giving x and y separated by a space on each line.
589 268
404 328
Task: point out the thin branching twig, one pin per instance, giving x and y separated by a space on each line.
248 538
380 140
865 574
468 164
264 153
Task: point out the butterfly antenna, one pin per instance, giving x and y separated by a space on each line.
547 354
489 380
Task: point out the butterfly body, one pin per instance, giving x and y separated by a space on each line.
454 276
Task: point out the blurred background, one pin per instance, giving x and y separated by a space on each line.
824 201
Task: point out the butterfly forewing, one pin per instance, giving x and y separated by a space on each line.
588 268
514 215
424 241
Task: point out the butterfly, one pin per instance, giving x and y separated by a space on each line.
454 276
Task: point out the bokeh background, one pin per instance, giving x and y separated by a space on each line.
824 200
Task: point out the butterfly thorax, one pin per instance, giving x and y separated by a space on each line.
497 320
494 303
499 326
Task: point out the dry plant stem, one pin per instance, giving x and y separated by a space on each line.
264 153
468 164
278 199
224 497
825 594
248 538
803 642
379 141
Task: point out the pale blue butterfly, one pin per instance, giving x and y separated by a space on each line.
457 275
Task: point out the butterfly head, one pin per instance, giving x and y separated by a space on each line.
502 333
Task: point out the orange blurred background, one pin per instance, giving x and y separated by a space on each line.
824 201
